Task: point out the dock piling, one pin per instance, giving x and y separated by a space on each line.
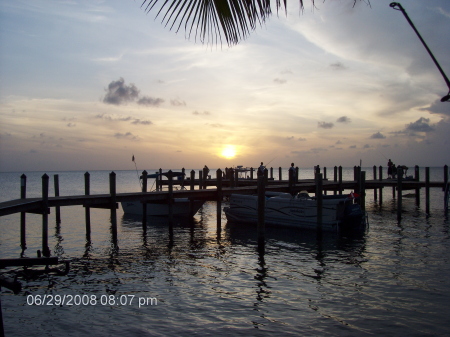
144 204
87 210
45 249
57 208
399 193
23 195
319 199
219 200
112 191
427 190
261 210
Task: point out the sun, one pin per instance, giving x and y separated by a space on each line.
229 151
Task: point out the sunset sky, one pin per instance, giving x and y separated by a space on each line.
84 85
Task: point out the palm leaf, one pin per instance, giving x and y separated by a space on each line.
214 19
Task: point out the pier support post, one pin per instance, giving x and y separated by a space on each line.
291 181
23 195
319 200
236 178
45 248
87 210
417 178
279 174
261 210
200 179
251 172
445 177
192 182
112 192
380 171
271 173
427 190
170 201
57 208
399 193
362 190
144 204
219 201
335 178
375 194
340 180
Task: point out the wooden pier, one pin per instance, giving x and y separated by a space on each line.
215 190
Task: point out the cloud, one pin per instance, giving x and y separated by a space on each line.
112 118
177 102
378 135
119 93
343 119
325 125
438 108
280 80
420 125
337 66
127 135
71 125
204 113
145 122
150 101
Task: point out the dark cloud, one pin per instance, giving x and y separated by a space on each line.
337 66
438 107
119 93
325 125
300 139
343 119
420 125
378 135
150 101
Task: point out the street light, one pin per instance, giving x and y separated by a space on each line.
398 6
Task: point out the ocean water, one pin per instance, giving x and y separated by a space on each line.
392 280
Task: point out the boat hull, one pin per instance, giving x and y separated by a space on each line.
180 207
337 212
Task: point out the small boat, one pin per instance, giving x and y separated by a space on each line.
338 211
181 207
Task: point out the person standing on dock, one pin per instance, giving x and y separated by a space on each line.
390 164
206 172
261 169
292 172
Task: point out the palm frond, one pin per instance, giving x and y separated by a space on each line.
213 20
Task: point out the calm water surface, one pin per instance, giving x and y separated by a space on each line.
392 280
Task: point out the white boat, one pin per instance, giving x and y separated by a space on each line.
181 207
338 212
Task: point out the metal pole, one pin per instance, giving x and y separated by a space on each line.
398 6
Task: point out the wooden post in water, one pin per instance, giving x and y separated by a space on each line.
112 191
170 201
417 178
144 204
45 248
399 193
219 200
192 180
87 210
280 174
362 190
236 178
427 190
251 172
380 171
271 173
335 178
57 208
291 177
375 194
261 211
319 200
445 177
340 180
23 195
200 179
